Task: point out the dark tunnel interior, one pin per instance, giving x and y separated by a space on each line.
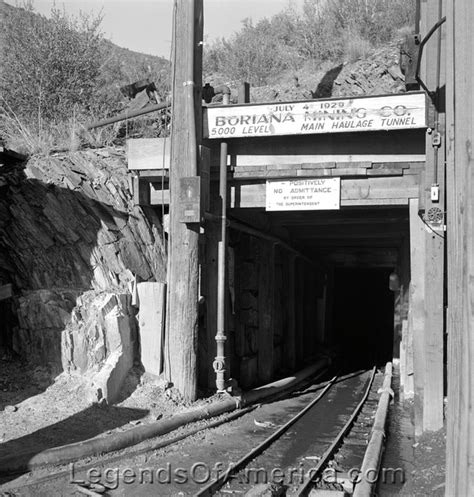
363 316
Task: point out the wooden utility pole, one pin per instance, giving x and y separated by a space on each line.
183 269
460 260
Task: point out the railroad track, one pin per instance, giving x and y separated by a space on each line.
329 432
303 454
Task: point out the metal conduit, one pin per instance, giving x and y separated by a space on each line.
267 236
219 363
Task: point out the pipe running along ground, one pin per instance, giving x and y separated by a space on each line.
26 461
373 453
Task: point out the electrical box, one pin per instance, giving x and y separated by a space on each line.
190 200
435 193
194 191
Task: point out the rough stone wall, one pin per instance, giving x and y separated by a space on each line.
376 75
68 226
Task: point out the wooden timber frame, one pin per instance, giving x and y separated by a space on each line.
460 254
382 173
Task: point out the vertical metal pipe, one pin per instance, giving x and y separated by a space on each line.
220 360
219 364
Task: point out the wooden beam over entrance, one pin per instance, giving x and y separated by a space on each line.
364 191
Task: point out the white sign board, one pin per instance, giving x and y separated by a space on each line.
388 112
303 194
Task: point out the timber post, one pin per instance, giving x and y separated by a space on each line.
460 254
182 320
432 198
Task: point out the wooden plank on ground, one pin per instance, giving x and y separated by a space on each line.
148 153
151 298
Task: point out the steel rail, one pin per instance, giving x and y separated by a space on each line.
314 472
213 486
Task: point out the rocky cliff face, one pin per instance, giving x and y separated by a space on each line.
375 74
70 234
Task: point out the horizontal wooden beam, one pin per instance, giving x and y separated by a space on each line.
326 161
331 244
365 191
393 191
348 223
351 231
158 196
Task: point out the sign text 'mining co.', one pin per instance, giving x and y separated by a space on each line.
404 111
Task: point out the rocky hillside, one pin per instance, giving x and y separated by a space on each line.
70 233
375 74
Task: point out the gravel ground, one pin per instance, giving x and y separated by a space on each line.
39 411
422 460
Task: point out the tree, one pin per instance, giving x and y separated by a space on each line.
50 67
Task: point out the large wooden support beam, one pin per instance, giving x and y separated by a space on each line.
417 309
434 78
366 191
183 275
460 258
406 337
290 337
300 309
266 293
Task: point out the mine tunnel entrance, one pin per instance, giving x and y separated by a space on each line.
363 316
323 291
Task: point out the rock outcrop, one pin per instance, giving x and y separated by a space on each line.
70 237
377 73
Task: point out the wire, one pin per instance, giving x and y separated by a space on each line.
421 216
167 365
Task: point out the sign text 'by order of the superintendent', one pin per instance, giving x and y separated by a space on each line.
303 194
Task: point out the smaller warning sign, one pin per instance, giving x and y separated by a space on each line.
303 194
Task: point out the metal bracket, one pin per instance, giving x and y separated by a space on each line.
424 41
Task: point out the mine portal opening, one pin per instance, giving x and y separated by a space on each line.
329 295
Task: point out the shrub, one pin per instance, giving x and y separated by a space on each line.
50 67
320 30
60 73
